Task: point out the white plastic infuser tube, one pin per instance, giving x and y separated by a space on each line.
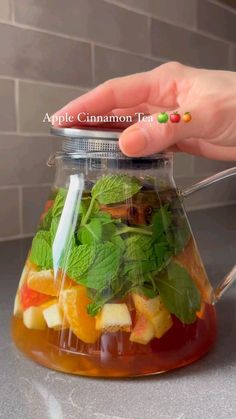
68 219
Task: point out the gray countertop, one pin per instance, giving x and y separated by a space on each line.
206 389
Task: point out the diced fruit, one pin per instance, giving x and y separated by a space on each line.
18 310
49 303
154 310
54 316
147 306
33 318
74 304
114 317
45 282
29 297
162 322
143 331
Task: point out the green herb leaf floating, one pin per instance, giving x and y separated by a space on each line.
179 293
115 188
161 222
41 251
59 202
138 247
91 233
104 267
79 261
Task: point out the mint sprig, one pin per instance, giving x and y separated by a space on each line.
113 259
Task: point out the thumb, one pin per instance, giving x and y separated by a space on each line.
151 136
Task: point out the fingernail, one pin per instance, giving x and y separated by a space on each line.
133 142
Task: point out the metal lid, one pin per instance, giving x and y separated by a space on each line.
89 139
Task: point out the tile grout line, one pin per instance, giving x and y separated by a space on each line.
12 11
88 41
93 63
20 197
146 13
17 237
47 83
17 103
223 6
39 185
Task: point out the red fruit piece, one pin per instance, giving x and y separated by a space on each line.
31 298
175 117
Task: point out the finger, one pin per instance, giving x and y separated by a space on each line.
158 86
116 93
145 138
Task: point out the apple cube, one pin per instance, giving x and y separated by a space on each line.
54 316
143 331
162 322
33 318
17 310
114 318
149 307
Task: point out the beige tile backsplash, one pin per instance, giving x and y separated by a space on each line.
5 10
7 105
53 51
33 204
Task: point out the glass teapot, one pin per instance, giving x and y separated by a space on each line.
113 284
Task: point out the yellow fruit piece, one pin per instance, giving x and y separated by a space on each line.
33 318
54 316
45 282
74 303
143 331
162 322
154 310
49 303
114 317
149 307
18 310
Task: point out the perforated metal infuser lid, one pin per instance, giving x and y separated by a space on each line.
88 139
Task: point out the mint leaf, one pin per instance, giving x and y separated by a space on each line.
59 202
54 227
136 270
91 233
161 221
105 217
119 243
41 251
84 206
79 261
104 268
181 235
115 188
163 254
46 223
138 247
108 231
179 293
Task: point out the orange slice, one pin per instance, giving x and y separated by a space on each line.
74 303
45 282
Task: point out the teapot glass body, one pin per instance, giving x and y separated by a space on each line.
113 284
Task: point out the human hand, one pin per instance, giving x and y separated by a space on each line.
209 95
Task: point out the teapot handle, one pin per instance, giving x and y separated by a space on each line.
229 279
